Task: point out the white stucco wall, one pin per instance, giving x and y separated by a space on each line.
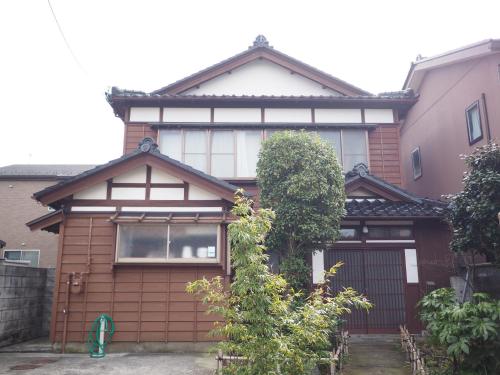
373 115
166 194
197 193
97 191
237 114
260 77
288 115
160 177
338 115
128 193
145 114
186 114
137 175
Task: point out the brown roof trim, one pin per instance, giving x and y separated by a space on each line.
262 52
46 221
468 52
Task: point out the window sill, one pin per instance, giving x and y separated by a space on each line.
166 264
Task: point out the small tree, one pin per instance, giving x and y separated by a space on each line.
261 320
301 180
474 212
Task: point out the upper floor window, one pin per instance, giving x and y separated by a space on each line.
234 153
474 129
416 163
221 153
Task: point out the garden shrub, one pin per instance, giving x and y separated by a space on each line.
261 320
469 331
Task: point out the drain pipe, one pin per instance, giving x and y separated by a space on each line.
66 311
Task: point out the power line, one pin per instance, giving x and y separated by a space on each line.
64 38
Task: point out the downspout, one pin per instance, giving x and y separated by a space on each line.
486 117
66 311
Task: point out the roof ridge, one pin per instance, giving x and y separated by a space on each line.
261 44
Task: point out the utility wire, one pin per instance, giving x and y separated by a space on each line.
65 40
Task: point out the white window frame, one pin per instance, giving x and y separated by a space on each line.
469 134
416 174
208 139
22 260
264 135
129 260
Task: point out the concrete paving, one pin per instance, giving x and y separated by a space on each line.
376 355
115 363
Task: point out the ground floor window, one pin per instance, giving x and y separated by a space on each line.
167 243
24 256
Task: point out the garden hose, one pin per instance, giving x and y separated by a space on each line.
100 335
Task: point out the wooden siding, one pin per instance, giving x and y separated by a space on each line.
147 303
134 133
383 145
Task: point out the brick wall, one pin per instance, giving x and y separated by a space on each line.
16 209
25 303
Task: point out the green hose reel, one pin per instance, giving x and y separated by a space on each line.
100 335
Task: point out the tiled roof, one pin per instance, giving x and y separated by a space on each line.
38 171
385 208
153 151
117 92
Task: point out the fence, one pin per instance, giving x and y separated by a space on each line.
336 359
25 302
415 357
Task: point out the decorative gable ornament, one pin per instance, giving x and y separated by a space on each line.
148 145
359 169
261 41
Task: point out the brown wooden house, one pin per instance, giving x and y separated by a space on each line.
135 230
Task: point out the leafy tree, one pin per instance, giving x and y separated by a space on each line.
261 321
474 212
469 331
301 180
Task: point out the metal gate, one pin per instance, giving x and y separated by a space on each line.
379 274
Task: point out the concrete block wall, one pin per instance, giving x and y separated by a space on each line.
25 303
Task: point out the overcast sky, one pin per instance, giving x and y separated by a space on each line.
53 109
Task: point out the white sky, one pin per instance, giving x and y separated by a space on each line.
53 112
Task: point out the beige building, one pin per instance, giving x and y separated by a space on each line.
17 185
456 112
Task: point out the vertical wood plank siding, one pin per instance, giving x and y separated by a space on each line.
147 303
134 133
384 153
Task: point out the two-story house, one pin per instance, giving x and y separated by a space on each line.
135 230
457 111
17 184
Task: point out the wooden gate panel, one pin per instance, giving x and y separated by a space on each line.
379 274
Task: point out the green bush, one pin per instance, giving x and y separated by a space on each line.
301 180
261 320
470 331
474 211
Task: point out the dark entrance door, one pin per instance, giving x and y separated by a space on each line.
379 274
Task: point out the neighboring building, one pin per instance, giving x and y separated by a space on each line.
17 184
456 112
135 230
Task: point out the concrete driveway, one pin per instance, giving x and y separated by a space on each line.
116 364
